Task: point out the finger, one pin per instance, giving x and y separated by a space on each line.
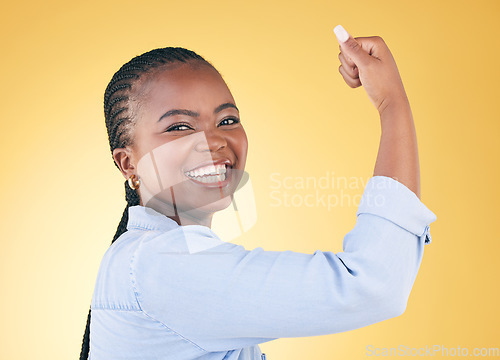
349 66
348 60
375 46
351 48
354 83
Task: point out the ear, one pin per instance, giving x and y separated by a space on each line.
124 159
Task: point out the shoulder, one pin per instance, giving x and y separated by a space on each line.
112 288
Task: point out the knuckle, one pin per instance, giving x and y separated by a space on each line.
353 45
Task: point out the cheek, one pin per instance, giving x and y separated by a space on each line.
143 143
239 144
163 166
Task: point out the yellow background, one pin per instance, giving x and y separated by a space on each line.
62 197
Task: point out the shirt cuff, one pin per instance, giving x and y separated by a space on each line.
390 199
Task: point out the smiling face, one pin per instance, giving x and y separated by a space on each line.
189 146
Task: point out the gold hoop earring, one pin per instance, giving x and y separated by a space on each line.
133 182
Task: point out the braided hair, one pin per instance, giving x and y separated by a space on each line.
120 122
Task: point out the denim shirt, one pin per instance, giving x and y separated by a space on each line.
165 291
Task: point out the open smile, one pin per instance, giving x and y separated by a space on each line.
211 175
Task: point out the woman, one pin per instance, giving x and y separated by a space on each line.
168 288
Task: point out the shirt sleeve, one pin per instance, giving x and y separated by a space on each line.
226 297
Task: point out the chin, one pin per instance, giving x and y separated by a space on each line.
217 205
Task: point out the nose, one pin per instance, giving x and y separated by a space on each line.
212 141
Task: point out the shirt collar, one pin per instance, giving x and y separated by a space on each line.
145 218
198 238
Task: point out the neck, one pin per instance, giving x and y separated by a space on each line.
192 217
189 220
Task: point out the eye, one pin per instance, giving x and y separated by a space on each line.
179 127
229 121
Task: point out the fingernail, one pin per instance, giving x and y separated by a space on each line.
341 34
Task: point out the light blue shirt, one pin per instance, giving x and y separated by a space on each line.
166 291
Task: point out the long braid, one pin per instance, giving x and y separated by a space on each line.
120 123
132 200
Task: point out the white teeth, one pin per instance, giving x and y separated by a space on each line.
210 171
208 178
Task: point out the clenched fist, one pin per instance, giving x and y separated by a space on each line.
367 61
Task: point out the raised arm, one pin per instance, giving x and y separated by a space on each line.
367 61
226 297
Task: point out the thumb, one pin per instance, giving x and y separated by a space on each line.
351 47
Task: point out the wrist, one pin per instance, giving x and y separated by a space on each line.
396 103
397 110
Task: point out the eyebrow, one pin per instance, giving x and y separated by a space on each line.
224 106
194 113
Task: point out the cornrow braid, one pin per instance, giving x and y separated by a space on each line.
120 122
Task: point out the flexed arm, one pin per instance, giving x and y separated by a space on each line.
227 297
367 62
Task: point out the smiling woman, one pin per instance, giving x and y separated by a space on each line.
187 136
176 136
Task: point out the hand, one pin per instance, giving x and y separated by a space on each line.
367 61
